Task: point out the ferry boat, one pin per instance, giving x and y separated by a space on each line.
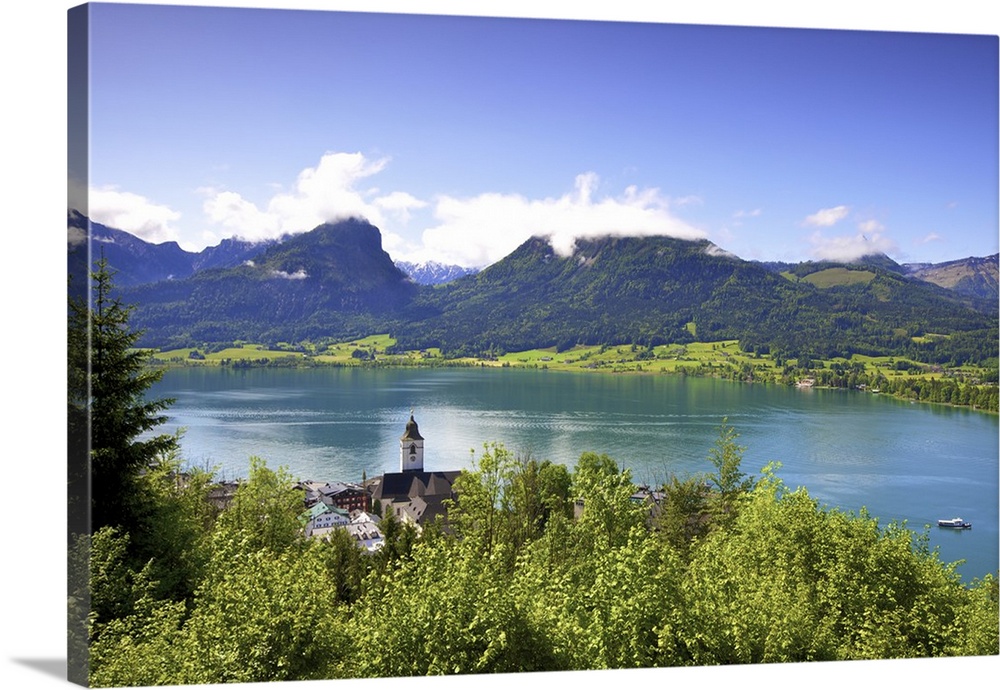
955 523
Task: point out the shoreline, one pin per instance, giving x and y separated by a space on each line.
291 360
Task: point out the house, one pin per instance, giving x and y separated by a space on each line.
359 516
651 498
367 535
347 496
221 494
322 517
311 492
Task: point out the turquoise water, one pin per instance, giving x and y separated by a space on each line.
850 450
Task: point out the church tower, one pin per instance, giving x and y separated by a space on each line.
411 448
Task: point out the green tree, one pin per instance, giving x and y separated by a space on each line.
257 616
684 515
108 382
609 513
178 519
450 609
728 478
788 581
265 511
538 490
480 511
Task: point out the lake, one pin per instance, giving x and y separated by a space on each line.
850 449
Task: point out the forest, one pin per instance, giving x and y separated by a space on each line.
732 569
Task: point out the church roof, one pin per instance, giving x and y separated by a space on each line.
406 485
412 433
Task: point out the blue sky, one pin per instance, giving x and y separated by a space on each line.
459 137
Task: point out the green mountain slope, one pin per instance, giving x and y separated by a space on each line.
335 280
657 290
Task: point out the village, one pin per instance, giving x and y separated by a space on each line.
412 496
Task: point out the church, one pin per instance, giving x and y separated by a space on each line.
413 494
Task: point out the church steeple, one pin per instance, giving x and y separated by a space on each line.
411 448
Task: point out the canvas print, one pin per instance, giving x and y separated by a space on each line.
411 344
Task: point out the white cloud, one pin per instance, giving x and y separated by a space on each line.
470 231
399 205
826 217
298 275
320 195
932 237
480 230
132 213
689 200
870 226
747 214
850 247
240 217
75 236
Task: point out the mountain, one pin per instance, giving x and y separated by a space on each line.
657 289
432 272
137 261
335 280
613 289
803 269
229 252
975 276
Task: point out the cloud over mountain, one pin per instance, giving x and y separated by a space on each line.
850 247
133 213
479 230
327 192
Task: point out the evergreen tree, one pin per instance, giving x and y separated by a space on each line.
108 380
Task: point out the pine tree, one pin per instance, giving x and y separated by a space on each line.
108 380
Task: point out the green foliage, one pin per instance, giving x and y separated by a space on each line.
258 616
732 571
609 514
179 520
538 492
108 380
263 616
264 513
449 610
789 581
684 516
506 499
728 478
398 541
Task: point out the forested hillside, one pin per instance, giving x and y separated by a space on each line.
333 281
336 282
659 290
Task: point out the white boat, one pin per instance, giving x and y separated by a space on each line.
955 523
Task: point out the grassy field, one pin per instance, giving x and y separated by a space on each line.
626 358
248 351
832 277
723 359
720 355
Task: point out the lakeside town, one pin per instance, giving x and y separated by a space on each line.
412 495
